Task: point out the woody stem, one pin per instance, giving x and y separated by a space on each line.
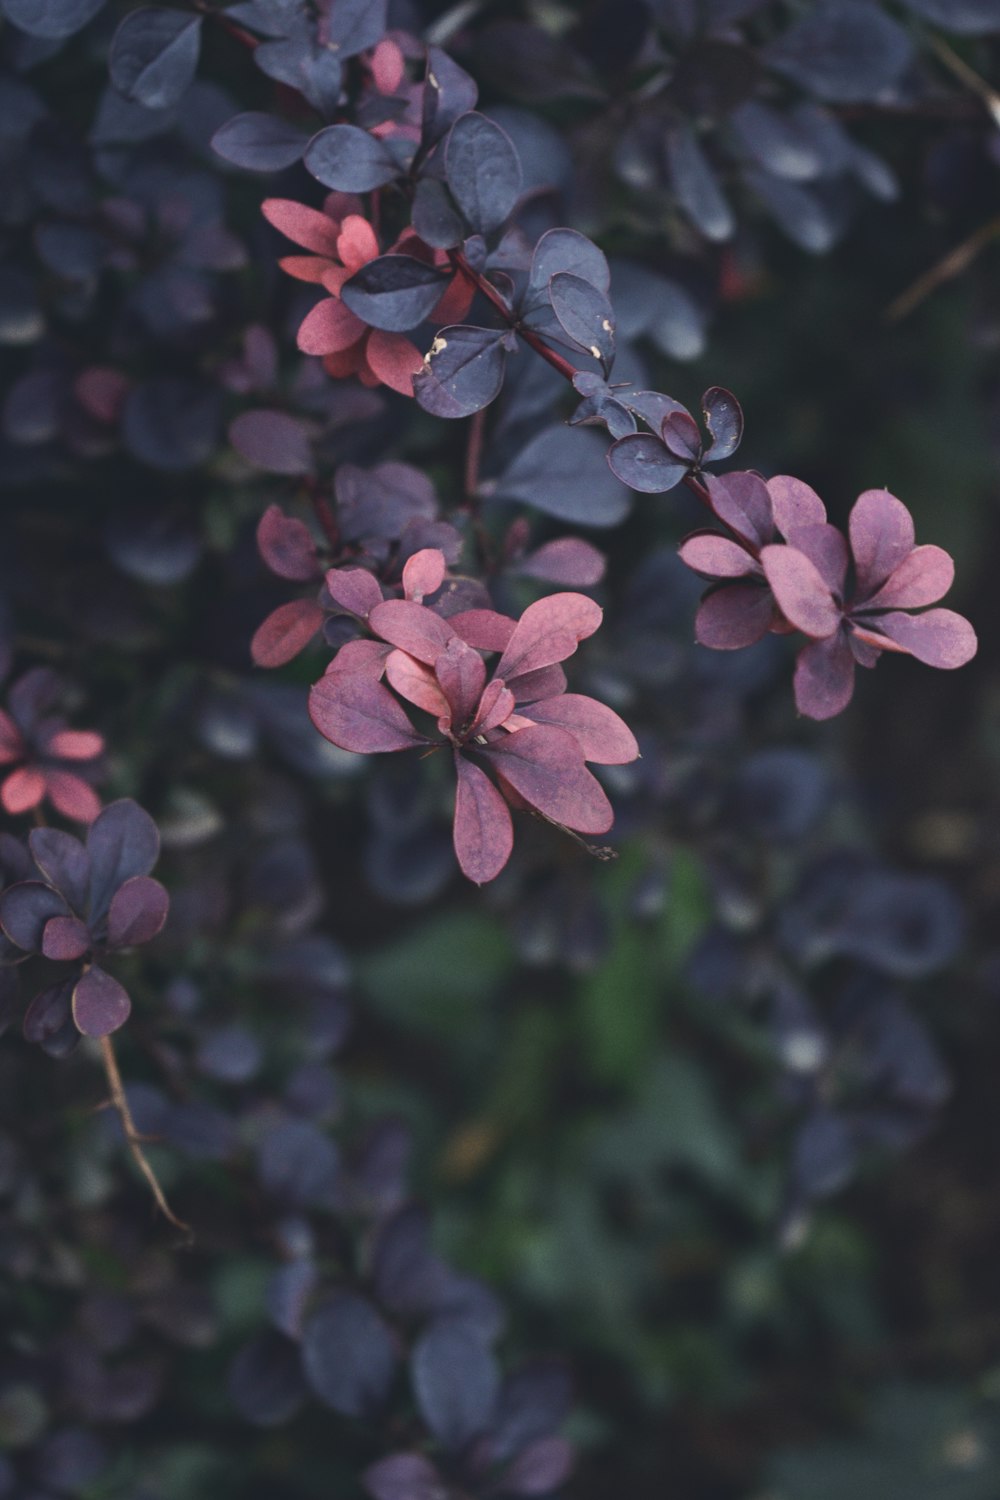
133 1138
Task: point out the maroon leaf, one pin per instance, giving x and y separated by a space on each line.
881 532
824 677
122 842
483 628
483 831
742 501
359 714
602 736
286 631
417 684
801 594
716 556
287 546
24 911
545 766
360 659
548 631
794 503
923 577
940 638
532 687
567 560
65 938
100 1005
733 616
826 549
461 672
272 440
137 913
412 627
354 589
495 707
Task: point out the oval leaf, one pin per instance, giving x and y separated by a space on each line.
154 55
100 1005
394 292
483 171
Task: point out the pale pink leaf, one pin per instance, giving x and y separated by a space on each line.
393 360
824 677
939 638
72 796
412 627
716 556
794 503
423 573
495 707
567 560
547 632
881 532
11 740
360 659
483 831
826 549
23 789
800 591
923 577
305 226
417 684
356 243
328 328
75 744
602 736
286 631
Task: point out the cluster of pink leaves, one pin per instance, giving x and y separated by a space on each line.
42 752
850 595
517 719
340 241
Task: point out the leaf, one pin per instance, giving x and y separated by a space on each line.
265 1382
568 560
923 577
449 92
348 1355
681 437
50 19
299 1164
641 461
741 499
843 51
456 1382
423 573
286 631
286 545
360 714
547 632
697 186
586 316
461 672
274 441
824 677
305 226
800 591
463 371
417 684
403 1476
413 627
483 833
734 616
882 535
65 939
137 913
122 841
777 142
794 503
801 215
354 25
259 142
545 766
939 638
541 1468
354 589
394 292
349 159
603 737
724 420
559 472
966 17
482 171
100 1004
154 56
171 423
25 909
715 556
566 251
64 863
435 217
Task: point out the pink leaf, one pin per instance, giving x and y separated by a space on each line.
423 573
532 687
65 938
137 913
483 831
495 707
100 1005
393 360
356 244
548 631
417 684
568 560
939 638
412 627
329 328
545 766
305 268
287 546
305 226
286 631
881 531
23 789
360 659
75 744
354 589
360 715
794 503
716 556
923 577
11 740
483 628
800 591
602 736
824 677
826 549
72 796
734 616
742 501
461 672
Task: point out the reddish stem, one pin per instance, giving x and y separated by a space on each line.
245 38
566 370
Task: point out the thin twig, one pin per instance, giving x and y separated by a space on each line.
953 264
133 1139
566 370
961 70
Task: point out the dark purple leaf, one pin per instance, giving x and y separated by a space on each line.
122 841
681 437
776 141
349 159
394 292
449 92
540 1468
585 315
360 715
825 1156
352 26
483 171
299 1164
259 142
845 51
137 913
100 1005
65 939
560 473
286 631
49 1017
24 911
741 500
463 371
435 217
545 766
63 861
967 17
349 1355
154 56
565 251
455 1381
798 213
696 185
51 19
287 546
724 420
483 831
265 1381
274 441
641 461
534 1402
403 1476
171 424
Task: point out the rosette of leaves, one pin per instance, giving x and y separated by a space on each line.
89 903
40 754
